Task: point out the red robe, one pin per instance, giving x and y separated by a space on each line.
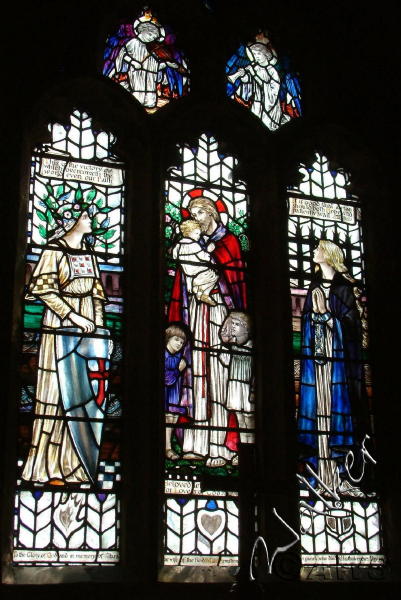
227 254
232 285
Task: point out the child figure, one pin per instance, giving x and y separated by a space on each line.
194 261
174 365
235 333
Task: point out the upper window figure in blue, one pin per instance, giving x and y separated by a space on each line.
258 80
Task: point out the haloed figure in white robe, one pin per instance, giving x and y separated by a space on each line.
264 81
143 64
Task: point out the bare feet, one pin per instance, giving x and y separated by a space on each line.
346 489
216 462
171 454
192 456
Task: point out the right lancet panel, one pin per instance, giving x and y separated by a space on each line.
339 512
260 81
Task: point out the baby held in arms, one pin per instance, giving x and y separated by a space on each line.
195 262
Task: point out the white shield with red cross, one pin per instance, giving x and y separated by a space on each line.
83 370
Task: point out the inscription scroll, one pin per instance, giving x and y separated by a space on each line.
327 211
61 556
62 169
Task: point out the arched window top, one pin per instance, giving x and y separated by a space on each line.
328 216
322 181
142 57
79 140
259 80
206 164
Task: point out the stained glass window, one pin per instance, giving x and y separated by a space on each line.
209 391
263 83
142 57
66 500
339 507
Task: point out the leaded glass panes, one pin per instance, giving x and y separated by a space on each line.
339 509
209 391
142 57
263 83
66 502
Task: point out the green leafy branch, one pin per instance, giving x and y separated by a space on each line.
174 212
58 206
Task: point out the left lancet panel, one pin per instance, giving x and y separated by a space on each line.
142 57
67 494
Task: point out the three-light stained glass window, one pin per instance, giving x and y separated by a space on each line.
339 507
67 502
67 496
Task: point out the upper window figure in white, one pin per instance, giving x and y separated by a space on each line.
262 83
142 57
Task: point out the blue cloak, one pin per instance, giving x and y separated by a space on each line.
346 373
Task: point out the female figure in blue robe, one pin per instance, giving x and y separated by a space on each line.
331 369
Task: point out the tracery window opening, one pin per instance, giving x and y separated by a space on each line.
339 507
262 82
209 395
143 58
67 502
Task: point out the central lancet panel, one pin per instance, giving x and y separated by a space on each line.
209 392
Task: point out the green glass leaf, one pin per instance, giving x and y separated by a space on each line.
107 246
91 195
244 242
109 234
173 212
106 209
41 215
50 218
49 202
49 189
100 203
78 195
42 231
59 191
99 231
235 228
